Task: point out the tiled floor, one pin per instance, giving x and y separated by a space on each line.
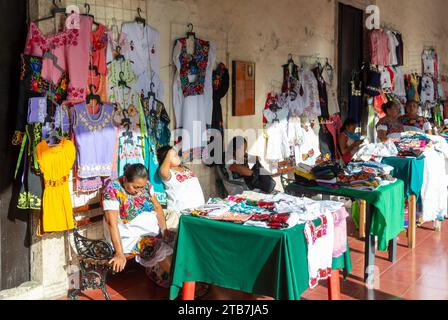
421 274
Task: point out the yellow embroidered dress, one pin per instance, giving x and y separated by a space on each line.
55 164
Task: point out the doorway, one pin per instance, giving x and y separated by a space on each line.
14 223
351 51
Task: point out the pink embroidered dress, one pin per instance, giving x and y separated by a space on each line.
64 52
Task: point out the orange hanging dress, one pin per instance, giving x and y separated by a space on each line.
55 164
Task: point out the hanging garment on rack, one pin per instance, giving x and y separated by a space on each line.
400 49
309 150
311 100
320 240
277 147
78 62
29 87
355 101
326 145
97 63
295 132
393 44
37 110
322 88
333 104
95 137
296 137
412 87
30 194
379 47
373 87
428 90
56 163
386 80
429 59
62 120
157 122
132 132
152 163
193 92
144 51
116 44
121 70
130 149
98 47
32 85
67 51
221 83
434 191
399 83
290 78
272 98
296 100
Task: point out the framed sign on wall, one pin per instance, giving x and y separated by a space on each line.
243 88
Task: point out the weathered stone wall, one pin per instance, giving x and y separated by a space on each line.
263 31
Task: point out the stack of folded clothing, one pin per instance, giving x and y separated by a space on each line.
412 145
304 175
326 174
369 167
366 176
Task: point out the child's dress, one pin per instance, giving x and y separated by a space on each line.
277 129
183 191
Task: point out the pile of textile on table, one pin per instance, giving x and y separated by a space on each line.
326 239
279 211
434 191
412 145
323 174
366 176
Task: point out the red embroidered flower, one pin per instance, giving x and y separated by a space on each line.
181 178
35 85
139 202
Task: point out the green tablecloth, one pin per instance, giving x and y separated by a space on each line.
249 259
410 171
388 203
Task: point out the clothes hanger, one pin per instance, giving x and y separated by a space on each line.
139 18
55 10
119 56
87 14
93 96
190 32
94 68
122 82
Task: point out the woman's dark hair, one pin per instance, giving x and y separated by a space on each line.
135 171
348 122
235 144
409 102
388 105
162 153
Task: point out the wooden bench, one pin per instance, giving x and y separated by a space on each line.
93 256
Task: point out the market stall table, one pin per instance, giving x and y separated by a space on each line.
249 259
410 171
384 216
